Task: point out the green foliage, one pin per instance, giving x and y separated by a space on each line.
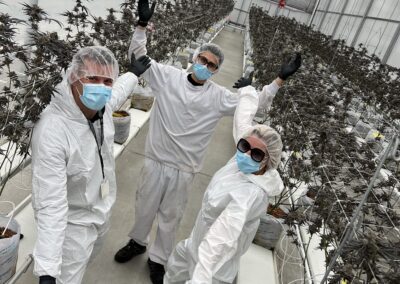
311 114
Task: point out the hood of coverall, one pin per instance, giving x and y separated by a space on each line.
270 182
64 102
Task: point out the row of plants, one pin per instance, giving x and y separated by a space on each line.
45 56
311 114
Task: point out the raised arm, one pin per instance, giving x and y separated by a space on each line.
249 101
138 42
127 82
245 111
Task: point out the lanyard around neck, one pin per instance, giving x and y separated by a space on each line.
99 145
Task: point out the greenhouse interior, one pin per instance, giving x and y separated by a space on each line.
272 156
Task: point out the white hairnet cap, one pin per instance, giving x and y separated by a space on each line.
93 61
211 47
273 142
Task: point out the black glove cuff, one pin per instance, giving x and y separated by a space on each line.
282 77
47 279
142 23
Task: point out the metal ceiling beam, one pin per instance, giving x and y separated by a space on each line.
340 18
313 13
361 25
392 43
324 16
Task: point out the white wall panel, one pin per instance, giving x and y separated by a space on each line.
14 9
356 7
337 5
329 24
273 9
394 58
347 28
376 36
387 9
323 4
317 19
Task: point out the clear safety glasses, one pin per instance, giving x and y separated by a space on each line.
204 61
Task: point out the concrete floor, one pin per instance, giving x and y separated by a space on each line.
104 270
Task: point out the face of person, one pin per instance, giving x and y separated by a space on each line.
208 59
256 143
94 73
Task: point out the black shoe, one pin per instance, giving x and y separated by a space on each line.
157 272
129 251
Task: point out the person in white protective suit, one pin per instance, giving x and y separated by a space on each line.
185 113
234 201
73 168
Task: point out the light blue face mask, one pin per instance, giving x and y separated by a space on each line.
95 96
246 164
201 71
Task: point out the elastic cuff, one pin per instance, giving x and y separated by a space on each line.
142 24
139 34
157 259
273 88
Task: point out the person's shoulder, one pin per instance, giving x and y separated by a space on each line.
48 126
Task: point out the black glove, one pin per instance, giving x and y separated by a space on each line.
290 66
145 12
243 82
139 66
47 279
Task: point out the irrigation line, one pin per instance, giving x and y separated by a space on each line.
366 183
355 216
348 232
349 226
323 170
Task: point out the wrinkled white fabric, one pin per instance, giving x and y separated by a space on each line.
66 176
182 122
85 242
171 186
184 116
229 216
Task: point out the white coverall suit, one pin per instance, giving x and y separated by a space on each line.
229 216
182 121
71 215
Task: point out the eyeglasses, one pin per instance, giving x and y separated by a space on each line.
204 61
256 154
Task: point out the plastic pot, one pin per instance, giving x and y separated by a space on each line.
122 123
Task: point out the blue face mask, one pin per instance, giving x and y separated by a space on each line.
246 164
201 71
95 96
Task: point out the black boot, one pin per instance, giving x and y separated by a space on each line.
157 272
129 251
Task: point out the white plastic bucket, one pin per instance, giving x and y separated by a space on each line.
8 250
122 127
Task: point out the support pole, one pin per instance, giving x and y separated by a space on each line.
340 18
392 43
324 16
313 13
357 34
349 230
